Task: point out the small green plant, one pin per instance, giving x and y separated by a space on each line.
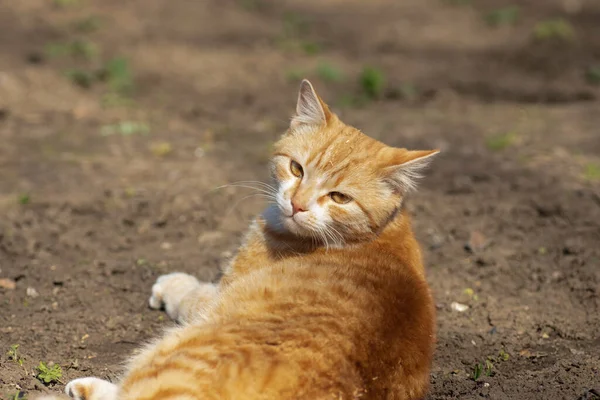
329 72
161 149
116 100
80 77
459 2
118 75
352 101
88 25
49 373
503 16
503 355
126 128
18 396
489 367
294 75
372 82
501 141
310 48
293 37
250 5
295 24
477 371
77 48
23 200
592 75
592 172
66 3
554 29
13 354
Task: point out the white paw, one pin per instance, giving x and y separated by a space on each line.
91 389
169 290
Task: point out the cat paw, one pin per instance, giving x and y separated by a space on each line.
91 389
170 289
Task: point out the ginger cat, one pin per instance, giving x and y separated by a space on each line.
326 299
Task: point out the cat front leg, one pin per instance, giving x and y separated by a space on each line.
86 389
183 296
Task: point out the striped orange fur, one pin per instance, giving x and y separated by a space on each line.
326 298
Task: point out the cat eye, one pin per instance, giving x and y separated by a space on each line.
340 198
296 169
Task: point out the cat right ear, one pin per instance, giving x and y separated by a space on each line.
311 111
404 168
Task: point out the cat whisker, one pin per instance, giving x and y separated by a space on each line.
265 191
272 200
339 236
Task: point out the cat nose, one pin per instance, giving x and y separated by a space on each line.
297 207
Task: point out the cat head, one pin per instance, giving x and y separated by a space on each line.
335 184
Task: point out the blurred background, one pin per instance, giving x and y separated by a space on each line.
119 119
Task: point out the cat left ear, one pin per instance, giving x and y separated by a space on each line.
406 166
310 109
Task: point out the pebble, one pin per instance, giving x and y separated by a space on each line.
459 307
477 242
31 292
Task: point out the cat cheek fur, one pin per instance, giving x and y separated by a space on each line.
284 196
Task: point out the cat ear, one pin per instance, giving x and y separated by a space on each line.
405 168
310 109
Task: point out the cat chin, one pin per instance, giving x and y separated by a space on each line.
294 227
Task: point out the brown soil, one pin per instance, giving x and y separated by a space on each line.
107 214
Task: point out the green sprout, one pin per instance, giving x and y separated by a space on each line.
503 16
49 373
13 354
558 28
329 73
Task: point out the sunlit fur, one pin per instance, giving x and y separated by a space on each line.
327 303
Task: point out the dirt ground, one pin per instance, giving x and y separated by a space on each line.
102 189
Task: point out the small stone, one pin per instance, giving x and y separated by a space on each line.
477 242
459 307
486 384
572 247
526 353
31 292
55 305
435 241
545 336
166 246
557 275
8 284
